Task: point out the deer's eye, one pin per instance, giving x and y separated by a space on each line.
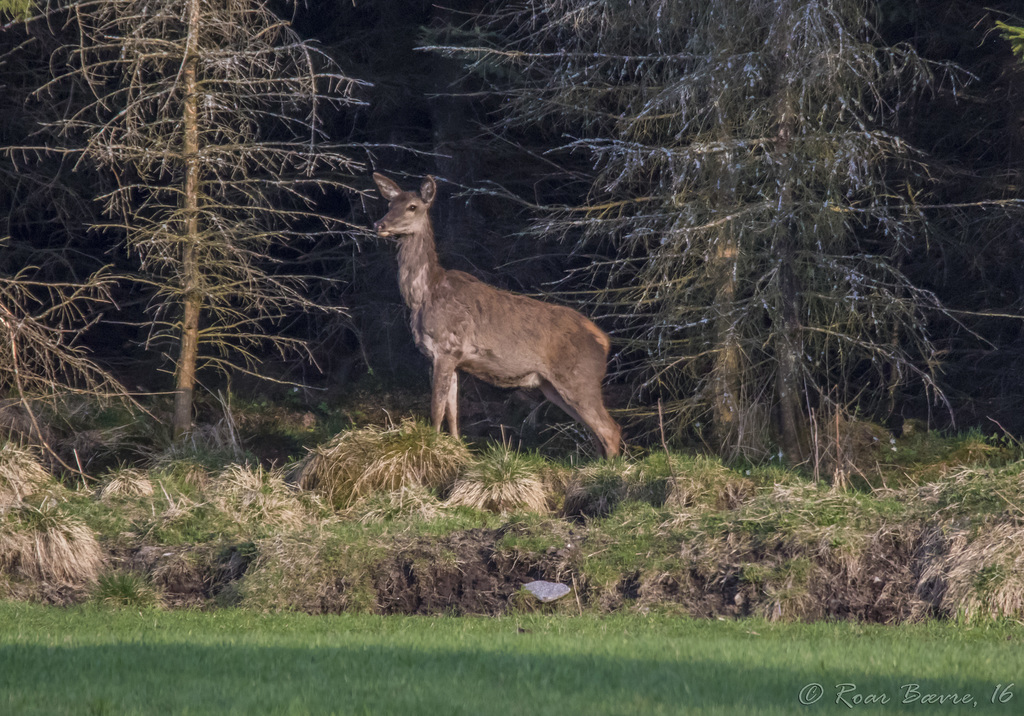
412 207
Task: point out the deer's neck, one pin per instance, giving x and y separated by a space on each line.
418 268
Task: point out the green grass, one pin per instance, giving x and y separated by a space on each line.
97 661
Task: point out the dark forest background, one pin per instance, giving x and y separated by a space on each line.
757 200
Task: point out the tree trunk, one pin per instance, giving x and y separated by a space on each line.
792 422
726 373
186 368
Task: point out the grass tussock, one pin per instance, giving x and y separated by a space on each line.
596 490
253 495
358 463
407 503
21 474
205 450
44 543
980 574
922 456
126 483
39 539
703 482
973 493
314 571
502 480
126 589
844 447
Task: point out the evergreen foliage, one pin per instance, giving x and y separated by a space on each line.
750 199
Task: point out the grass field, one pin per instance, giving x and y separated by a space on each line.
86 660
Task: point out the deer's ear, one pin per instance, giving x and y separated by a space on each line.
388 189
428 190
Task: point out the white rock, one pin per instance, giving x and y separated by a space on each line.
547 591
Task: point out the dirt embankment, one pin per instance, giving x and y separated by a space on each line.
481 571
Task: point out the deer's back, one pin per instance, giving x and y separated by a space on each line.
505 338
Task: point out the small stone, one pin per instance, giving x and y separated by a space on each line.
547 591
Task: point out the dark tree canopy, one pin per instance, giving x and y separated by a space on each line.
786 212
749 193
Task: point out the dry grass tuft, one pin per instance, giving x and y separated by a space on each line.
206 449
413 502
973 491
196 476
308 571
179 507
706 482
177 576
844 446
21 474
979 575
595 490
975 449
360 462
127 482
37 539
43 543
251 494
502 480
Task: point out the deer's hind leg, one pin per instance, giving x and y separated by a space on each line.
586 406
452 405
552 394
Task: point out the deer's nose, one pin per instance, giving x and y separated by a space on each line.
380 226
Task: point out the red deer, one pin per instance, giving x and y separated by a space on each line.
506 339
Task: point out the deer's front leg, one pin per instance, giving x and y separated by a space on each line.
445 387
452 404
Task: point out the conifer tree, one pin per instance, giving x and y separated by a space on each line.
748 198
207 117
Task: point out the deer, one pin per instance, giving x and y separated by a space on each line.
506 339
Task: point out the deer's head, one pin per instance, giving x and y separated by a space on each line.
407 210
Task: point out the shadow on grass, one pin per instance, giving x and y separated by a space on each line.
139 678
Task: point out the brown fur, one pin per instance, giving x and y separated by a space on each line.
507 339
